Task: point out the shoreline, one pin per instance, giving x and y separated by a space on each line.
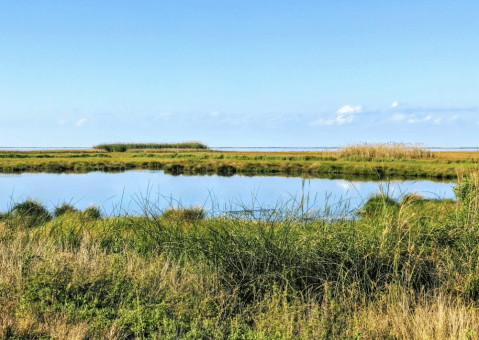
444 164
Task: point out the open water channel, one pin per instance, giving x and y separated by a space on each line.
118 193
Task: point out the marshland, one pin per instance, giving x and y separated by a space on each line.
395 265
377 160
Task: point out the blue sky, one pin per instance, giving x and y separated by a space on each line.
239 73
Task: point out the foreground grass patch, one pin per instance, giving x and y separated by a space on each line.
402 270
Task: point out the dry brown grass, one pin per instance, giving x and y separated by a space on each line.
395 150
396 315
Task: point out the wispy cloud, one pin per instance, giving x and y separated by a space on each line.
322 122
349 109
80 122
344 119
394 104
163 116
61 121
398 117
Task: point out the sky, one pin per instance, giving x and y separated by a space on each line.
239 73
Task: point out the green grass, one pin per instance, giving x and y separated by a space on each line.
404 269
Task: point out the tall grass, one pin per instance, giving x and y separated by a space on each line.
402 270
394 150
122 147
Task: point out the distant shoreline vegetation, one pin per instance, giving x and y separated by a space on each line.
379 160
122 147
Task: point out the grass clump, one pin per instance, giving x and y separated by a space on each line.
92 212
379 204
65 208
31 213
185 214
385 150
122 147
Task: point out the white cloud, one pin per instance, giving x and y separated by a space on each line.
437 121
427 118
80 122
61 122
453 118
398 117
394 104
413 120
349 109
215 113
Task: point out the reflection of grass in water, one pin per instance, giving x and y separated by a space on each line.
405 271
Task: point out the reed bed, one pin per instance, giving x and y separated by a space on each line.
405 269
393 150
122 147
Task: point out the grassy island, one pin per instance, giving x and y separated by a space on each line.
378 160
405 269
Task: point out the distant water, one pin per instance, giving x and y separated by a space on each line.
219 148
128 191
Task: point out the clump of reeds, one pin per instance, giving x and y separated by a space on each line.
122 147
394 150
185 214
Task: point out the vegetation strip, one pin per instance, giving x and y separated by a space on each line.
249 163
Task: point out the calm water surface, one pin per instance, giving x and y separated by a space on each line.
215 193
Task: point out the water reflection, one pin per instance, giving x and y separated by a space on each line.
215 193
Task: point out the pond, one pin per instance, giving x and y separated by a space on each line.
117 193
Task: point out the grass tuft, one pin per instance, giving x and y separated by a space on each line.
64 209
32 213
185 214
92 212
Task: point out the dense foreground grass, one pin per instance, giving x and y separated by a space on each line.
440 165
400 270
